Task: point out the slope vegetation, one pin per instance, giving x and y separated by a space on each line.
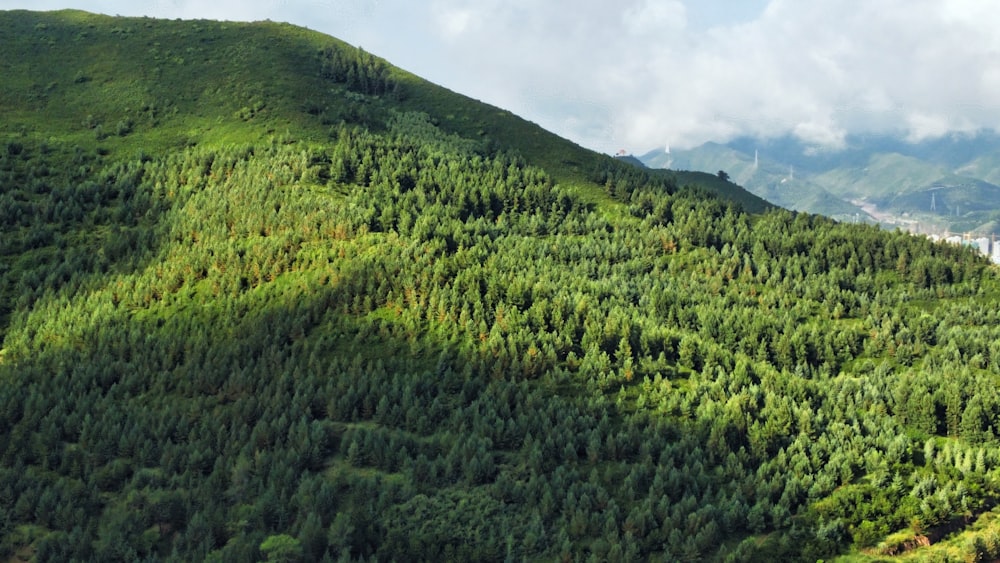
279 300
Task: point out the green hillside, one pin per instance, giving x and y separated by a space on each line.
264 296
879 179
984 166
766 180
710 183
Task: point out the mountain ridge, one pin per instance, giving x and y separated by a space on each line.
881 171
449 111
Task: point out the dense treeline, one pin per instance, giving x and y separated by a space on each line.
358 70
401 346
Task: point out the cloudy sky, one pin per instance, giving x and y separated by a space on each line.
641 74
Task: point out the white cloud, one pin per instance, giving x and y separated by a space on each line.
823 69
455 22
655 16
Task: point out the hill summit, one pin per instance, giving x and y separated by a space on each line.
265 296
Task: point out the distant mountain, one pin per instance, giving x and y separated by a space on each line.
630 159
948 183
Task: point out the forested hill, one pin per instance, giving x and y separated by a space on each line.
161 85
264 296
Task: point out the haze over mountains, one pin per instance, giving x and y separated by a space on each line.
948 183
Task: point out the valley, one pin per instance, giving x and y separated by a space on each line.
937 185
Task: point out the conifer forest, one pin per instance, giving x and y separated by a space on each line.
264 296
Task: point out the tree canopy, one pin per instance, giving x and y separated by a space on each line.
390 339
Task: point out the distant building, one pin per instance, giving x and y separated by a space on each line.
983 244
987 246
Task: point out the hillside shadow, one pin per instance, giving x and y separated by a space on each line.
67 230
226 410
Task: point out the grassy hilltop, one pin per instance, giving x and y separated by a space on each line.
88 80
265 296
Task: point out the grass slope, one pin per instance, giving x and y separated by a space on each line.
722 188
177 83
765 180
712 183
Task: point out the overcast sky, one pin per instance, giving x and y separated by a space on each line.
642 74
